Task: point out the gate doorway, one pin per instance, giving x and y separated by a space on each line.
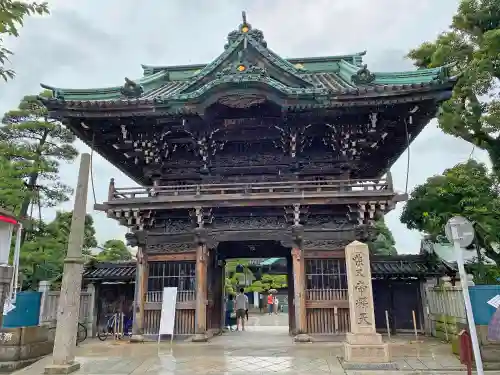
242 260
400 299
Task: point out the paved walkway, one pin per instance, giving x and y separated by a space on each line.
264 348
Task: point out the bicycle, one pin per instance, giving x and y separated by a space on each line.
113 322
81 333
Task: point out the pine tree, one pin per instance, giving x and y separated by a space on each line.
37 144
114 251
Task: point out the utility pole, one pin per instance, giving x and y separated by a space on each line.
71 287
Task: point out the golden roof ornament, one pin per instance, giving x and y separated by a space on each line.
245 27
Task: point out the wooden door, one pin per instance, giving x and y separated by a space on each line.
406 298
382 303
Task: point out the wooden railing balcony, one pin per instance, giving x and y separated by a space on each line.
182 296
256 190
185 300
326 298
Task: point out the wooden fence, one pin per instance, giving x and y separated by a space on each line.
50 301
184 316
445 311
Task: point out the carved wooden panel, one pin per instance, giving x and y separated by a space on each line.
242 223
170 248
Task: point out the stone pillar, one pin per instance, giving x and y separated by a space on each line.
71 287
363 345
139 297
201 293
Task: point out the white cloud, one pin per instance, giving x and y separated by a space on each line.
95 43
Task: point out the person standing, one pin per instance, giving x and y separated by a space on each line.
270 303
230 313
276 305
241 307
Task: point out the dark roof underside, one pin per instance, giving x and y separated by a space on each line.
401 266
124 271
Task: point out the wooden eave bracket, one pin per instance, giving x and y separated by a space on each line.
400 198
100 207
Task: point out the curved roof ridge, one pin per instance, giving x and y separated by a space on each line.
104 90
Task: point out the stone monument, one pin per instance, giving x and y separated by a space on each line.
363 345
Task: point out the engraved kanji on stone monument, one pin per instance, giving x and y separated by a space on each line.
363 344
360 287
359 263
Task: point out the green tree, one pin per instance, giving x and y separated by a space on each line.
230 289
468 190
471 46
257 286
272 282
12 15
43 252
62 225
384 243
12 187
38 145
113 251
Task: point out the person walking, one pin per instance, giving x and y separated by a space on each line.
270 303
241 307
230 313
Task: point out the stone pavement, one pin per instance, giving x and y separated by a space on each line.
264 348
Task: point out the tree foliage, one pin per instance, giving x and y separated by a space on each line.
43 252
468 190
384 243
36 145
237 272
12 15
12 187
472 46
114 251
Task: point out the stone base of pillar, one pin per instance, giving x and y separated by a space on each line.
361 349
136 338
302 337
62 369
200 337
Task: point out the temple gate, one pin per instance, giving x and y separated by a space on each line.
251 155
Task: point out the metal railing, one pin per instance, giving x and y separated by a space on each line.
254 189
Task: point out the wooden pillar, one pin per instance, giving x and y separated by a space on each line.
218 296
141 279
201 293
291 294
299 294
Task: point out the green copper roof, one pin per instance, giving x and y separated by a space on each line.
269 261
248 61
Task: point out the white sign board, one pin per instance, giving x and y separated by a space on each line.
8 306
167 320
495 301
